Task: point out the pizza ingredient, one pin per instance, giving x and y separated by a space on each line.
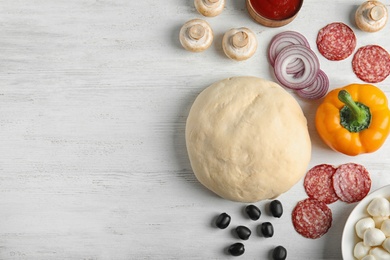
209 8
311 218
236 249
360 250
325 184
379 253
238 138
267 229
371 16
273 13
318 183
373 237
279 253
374 231
354 119
239 43
379 207
336 41
243 232
295 70
223 221
362 225
369 257
311 66
276 208
351 182
371 63
316 90
385 226
276 10
386 243
282 40
253 212
196 35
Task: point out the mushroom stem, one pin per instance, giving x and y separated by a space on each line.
376 13
196 32
240 39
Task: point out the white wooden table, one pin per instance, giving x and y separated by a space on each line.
94 96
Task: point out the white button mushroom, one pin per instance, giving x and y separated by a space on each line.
379 207
239 43
360 250
362 225
369 257
371 16
196 35
380 253
209 8
373 237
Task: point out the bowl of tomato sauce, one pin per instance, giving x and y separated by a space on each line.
273 13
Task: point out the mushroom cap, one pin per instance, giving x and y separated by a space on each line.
239 43
209 8
371 16
196 35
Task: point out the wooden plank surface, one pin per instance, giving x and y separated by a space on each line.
94 96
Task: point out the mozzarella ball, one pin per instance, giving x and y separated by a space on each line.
386 244
362 225
373 237
385 227
380 253
379 220
361 250
379 207
369 257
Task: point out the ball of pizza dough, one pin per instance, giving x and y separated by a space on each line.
247 139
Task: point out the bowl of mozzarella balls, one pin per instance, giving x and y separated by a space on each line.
366 235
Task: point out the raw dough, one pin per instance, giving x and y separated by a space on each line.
247 139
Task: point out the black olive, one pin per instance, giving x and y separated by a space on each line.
279 253
236 249
267 229
253 212
223 221
243 232
276 208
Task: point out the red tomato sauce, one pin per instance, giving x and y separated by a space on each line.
276 9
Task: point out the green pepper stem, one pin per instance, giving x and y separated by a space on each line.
358 113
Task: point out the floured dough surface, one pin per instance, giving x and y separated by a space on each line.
247 139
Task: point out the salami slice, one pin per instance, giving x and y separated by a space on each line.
312 218
371 63
318 183
351 182
336 41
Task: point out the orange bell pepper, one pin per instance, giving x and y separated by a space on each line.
354 119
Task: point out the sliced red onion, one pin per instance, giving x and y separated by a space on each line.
295 67
318 89
282 40
309 73
299 73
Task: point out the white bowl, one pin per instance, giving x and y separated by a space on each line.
349 238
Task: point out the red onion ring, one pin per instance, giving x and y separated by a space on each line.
295 67
318 89
299 73
282 40
311 66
